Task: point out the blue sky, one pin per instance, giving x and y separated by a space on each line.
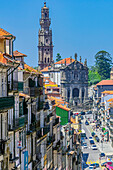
81 26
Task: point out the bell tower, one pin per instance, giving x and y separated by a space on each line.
45 45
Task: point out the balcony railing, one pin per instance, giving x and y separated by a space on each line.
21 121
6 102
50 139
43 131
12 85
33 91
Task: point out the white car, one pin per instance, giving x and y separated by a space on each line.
85 145
90 138
94 147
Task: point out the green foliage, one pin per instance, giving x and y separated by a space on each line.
58 57
103 64
93 76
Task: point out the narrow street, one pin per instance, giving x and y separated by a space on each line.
89 156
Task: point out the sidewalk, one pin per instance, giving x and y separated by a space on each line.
103 147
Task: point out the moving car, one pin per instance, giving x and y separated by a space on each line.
92 142
82 113
90 138
102 155
97 138
94 147
93 133
85 145
86 123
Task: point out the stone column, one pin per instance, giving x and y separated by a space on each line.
86 93
71 95
80 94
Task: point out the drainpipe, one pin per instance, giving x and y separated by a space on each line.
13 47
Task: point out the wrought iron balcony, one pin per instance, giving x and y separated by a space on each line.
6 102
43 131
33 91
12 85
19 122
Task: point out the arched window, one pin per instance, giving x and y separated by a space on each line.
75 92
48 60
45 15
45 60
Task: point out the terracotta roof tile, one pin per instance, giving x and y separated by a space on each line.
105 82
30 69
68 61
107 92
110 100
59 62
5 34
24 95
45 69
63 107
18 54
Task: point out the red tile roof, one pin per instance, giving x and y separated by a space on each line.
68 61
24 95
105 82
63 107
18 54
5 35
45 69
28 68
107 92
50 82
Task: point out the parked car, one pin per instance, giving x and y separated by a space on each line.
92 142
85 145
103 164
92 166
90 138
86 123
93 133
82 113
102 155
97 165
94 147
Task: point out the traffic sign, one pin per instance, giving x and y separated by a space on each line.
19 144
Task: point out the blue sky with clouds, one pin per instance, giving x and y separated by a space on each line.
81 26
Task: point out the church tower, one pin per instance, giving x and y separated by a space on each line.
45 45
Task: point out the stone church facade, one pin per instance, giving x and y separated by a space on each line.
72 78
74 82
45 45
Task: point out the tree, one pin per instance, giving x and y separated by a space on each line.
93 76
103 64
58 57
